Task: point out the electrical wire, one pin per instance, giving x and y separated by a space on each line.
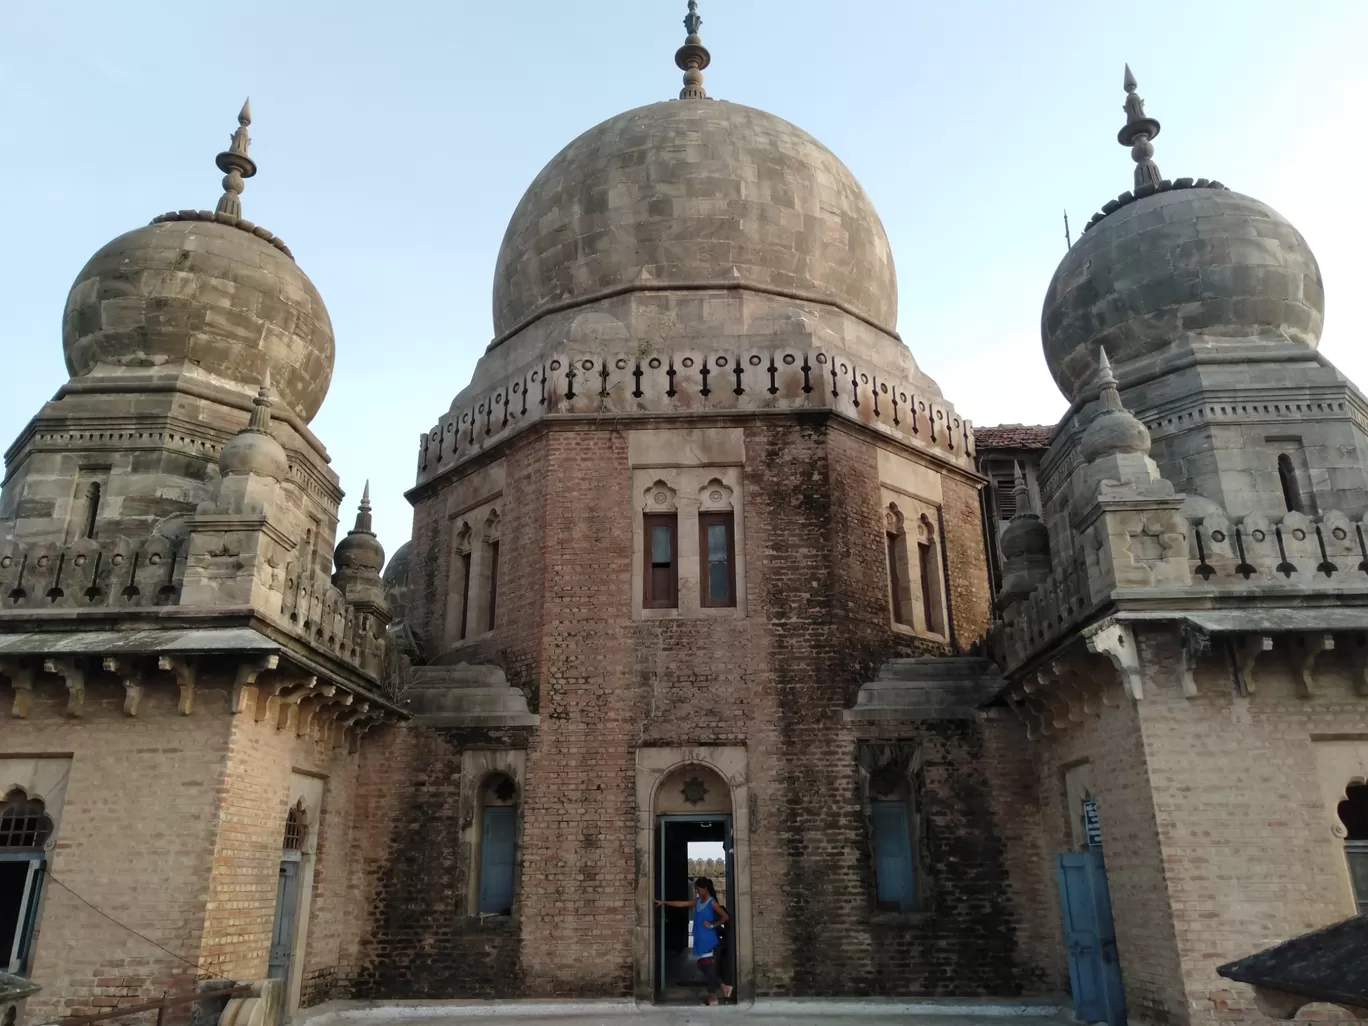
199 973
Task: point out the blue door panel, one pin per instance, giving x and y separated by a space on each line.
1085 905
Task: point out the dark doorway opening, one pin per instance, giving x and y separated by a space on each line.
685 846
20 885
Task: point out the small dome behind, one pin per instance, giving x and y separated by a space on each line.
689 192
1175 261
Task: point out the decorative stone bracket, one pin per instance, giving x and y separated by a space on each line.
1061 694
1115 640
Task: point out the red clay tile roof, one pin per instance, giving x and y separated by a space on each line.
1013 436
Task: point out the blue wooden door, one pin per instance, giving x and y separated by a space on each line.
1094 970
283 930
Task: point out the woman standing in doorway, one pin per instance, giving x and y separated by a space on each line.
708 917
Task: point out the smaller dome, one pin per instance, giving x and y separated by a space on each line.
1113 429
1188 259
210 293
360 552
252 452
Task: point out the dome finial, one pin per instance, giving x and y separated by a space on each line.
693 56
236 165
1138 134
261 406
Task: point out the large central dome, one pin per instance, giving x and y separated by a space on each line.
690 192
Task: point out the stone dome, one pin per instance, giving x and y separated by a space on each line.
1182 261
254 452
206 293
690 192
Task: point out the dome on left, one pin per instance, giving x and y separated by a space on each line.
208 290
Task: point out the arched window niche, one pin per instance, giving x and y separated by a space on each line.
1353 814
491 830
892 789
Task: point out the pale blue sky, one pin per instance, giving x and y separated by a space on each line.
395 139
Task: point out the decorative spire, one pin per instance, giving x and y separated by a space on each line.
693 56
1138 135
363 514
236 165
1109 395
1113 429
1021 494
261 407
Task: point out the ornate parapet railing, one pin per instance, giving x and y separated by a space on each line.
131 573
88 574
1254 580
315 610
684 381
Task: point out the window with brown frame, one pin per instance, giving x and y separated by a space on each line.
897 578
465 594
493 580
717 547
926 559
661 534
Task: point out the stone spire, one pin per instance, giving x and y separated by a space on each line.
261 406
254 450
363 513
693 56
359 558
1138 134
236 165
1113 429
1025 545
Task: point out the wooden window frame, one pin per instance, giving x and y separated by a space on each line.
896 551
466 564
727 519
493 584
649 598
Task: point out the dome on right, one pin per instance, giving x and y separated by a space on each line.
1176 261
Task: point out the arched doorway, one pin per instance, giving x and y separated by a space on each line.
694 837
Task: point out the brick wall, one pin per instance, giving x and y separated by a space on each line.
1214 824
136 830
604 684
1248 853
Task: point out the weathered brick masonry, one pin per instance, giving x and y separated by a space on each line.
775 682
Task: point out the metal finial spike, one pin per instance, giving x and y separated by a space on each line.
692 57
236 165
1103 361
365 495
1138 134
692 22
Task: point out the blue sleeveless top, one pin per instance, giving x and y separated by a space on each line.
704 937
